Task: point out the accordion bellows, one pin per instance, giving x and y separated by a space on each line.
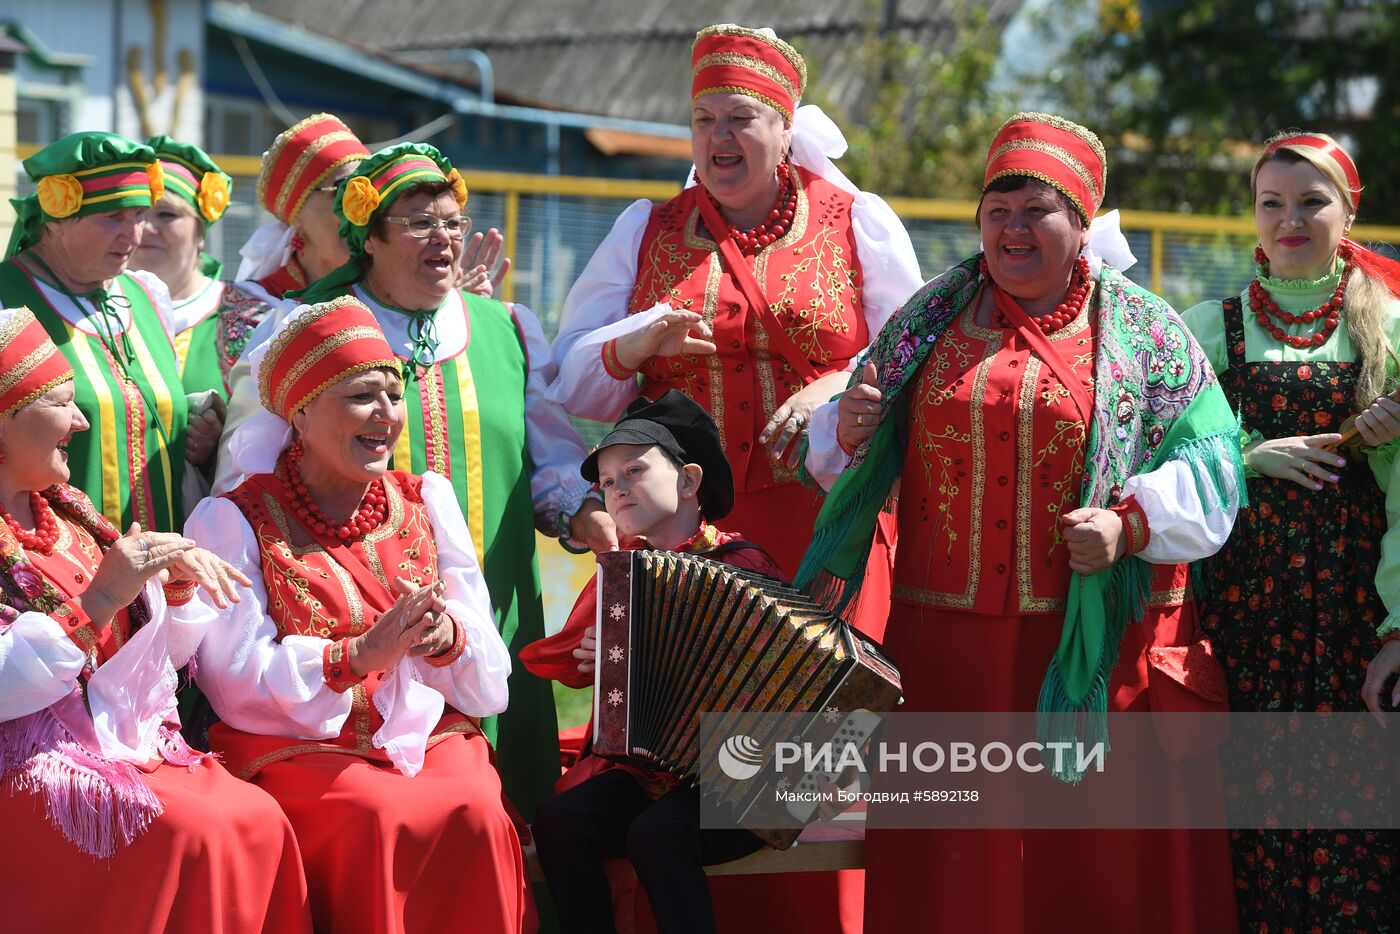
681 635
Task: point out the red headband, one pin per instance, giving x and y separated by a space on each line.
317 348
1336 153
30 364
1056 151
303 157
731 59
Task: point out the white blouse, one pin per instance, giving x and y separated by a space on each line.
261 684
595 310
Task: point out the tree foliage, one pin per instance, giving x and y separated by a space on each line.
1183 93
1185 99
924 130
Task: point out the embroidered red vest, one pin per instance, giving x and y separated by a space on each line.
331 590
995 456
812 278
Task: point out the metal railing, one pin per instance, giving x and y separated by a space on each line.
552 225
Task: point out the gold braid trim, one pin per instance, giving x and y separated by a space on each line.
1060 123
786 51
324 350
747 92
1053 183
752 64
30 397
1057 153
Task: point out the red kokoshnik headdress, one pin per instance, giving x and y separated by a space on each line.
317 347
30 364
729 59
1057 151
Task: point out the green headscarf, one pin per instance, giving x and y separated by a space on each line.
193 176
368 194
82 174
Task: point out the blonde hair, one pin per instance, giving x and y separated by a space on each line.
1365 308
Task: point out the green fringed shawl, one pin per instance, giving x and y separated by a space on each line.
1156 400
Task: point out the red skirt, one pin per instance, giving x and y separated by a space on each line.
1005 881
221 858
388 853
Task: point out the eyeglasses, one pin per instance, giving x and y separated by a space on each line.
422 226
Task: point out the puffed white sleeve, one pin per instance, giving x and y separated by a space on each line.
889 267
475 682
1189 509
39 664
255 682
556 450
595 312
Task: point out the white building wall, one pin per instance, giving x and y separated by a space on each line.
116 35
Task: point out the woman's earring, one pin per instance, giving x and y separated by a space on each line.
298 242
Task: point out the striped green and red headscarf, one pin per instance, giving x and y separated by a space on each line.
83 174
378 183
190 174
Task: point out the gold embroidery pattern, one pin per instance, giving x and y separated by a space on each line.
713 364
977 434
752 64
1137 531
930 444
430 388
830 310
392 524
280 546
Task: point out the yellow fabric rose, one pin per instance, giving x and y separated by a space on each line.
60 195
155 175
360 200
213 196
459 187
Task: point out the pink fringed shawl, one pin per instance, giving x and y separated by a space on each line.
97 802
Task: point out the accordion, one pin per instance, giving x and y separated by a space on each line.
680 635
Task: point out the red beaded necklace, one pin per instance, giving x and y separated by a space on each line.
1265 308
1080 285
779 219
45 532
370 516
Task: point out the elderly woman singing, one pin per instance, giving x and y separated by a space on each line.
107 813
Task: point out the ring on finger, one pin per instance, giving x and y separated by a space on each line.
143 543
860 419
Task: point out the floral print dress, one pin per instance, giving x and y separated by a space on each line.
1292 606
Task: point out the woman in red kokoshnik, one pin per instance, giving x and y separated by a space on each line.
750 292
349 681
